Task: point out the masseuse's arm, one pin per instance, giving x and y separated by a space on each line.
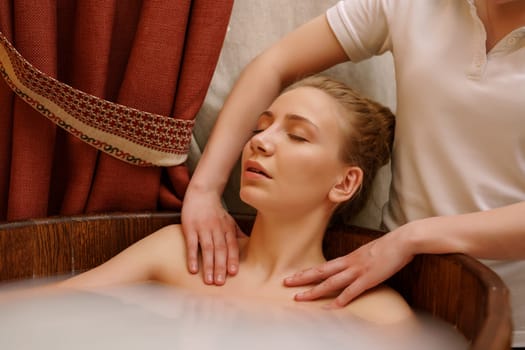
492 234
159 256
309 49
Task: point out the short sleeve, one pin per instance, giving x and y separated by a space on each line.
361 27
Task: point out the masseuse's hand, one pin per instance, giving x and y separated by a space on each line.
207 224
354 273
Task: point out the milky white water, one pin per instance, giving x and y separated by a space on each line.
152 316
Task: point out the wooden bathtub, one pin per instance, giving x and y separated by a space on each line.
454 287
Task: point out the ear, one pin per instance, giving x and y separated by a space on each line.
347 185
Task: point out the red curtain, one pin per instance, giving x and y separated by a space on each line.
153 55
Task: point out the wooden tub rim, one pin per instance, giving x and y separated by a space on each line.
498 293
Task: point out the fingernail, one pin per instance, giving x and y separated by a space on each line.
288 280
209 278
220 279
193 267
233 268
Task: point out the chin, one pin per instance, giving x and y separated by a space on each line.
247 197
256 199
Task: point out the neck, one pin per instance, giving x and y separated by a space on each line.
500 18
282 244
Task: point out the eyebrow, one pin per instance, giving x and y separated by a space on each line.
291 116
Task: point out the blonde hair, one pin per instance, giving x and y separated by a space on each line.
368 128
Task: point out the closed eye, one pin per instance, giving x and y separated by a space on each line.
257 131
297 138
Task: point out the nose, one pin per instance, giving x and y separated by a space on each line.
262 143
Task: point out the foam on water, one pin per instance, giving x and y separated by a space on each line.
152 316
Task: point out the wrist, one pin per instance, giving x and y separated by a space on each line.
207 179
197 188
431 236
412 237
201 183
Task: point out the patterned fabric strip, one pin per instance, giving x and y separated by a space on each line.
131 135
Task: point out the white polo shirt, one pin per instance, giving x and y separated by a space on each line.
460 129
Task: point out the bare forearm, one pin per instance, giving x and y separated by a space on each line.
492 234
257 86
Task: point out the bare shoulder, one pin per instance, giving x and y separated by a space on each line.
166 241
171 233
162 254
381 305
155 257
168 245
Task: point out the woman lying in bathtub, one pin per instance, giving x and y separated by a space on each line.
315 150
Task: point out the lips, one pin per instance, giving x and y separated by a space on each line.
256 168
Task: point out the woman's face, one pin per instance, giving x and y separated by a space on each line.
293 159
